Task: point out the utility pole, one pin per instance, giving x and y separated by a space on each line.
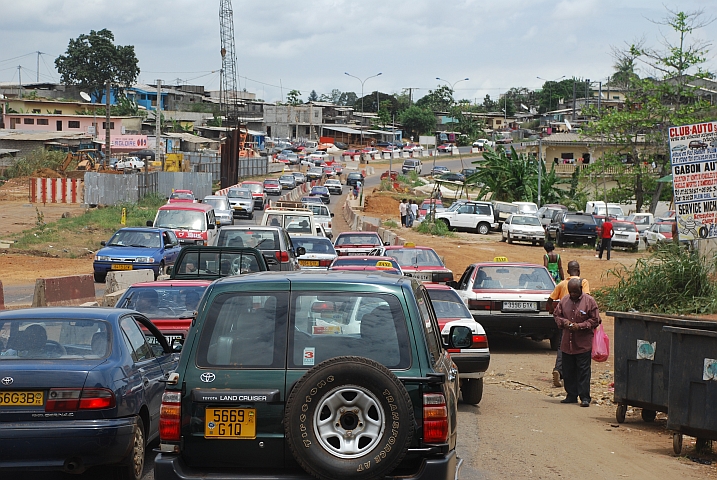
19 79
38 65
158 125
599 96
108 148
575 85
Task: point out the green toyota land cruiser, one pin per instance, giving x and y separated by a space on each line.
333 375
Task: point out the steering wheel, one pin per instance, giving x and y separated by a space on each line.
52 347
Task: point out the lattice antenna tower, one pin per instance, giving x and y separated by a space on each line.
228 95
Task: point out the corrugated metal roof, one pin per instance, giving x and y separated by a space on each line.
570 137
8 151
342 129
45 136
188 137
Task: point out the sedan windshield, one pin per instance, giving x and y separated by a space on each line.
246 194
448 304
514 277
314 245
358 239
181 219
63 339
415 257
162 302
134 238
526 220
217 203
253 187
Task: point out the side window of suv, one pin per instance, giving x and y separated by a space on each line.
433 333
465 209
484 210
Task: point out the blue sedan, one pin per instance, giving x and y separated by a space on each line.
137 248
80 387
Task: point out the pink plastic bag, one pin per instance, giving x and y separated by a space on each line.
601 345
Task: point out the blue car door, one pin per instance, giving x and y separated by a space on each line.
171 247
144 378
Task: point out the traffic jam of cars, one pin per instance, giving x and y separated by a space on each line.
202 352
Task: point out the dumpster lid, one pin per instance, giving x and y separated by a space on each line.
682 321
690 331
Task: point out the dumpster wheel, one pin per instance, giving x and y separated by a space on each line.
677 443
648 415
620 413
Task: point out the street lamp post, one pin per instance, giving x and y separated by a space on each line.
362 82
452 84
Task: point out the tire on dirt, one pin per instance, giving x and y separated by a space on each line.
134 463
648 415
472 390
371 396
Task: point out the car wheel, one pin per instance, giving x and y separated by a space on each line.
134 463
510 239
502 237
677 443
559 239
635 247
161 270
251 216
648 415
472 390
343 414
100 277
483 228
620 413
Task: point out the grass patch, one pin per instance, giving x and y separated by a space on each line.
77 236
390 224
438 228
671 280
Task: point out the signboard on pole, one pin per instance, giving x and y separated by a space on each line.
129 142
693 152
427 140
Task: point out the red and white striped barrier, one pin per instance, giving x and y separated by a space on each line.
55 190
223 192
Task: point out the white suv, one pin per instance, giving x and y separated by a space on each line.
476 216
412 164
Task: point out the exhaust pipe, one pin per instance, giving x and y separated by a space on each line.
73 465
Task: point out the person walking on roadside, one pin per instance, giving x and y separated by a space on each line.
561 289
414 209
577 315
606 238
552 262
403 210
409 214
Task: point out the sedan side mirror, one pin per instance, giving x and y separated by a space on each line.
386 244
452 284
211 226
177 345
103 243
332 214
150 223
300 251
170 269
460 337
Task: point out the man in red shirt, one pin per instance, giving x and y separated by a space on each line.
577 315
606 238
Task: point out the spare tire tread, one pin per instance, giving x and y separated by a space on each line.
346 468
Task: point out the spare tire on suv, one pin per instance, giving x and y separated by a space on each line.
350 418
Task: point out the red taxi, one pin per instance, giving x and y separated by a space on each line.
179 196
472 362
257 191
421 263
192 223
366 263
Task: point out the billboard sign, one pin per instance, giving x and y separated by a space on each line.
693 153
129 142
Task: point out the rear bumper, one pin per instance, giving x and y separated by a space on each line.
48 445
471 362
171 467
520 325
105 267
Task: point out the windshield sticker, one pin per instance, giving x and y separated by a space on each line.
309 355
646 350
326 330
710 372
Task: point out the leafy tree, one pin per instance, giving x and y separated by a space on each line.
294 97
384 114
370 105
332 97
313 96
513 177
438 100
417 121
489 105
347 99
91 60
639 132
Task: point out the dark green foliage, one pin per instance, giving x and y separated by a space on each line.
671 280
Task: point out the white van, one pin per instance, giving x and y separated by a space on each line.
598 207
529 208
294 217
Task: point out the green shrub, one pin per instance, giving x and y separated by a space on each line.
390 224
438 228
671 280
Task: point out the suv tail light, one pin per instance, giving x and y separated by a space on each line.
435 418
72 399
282 256
170 416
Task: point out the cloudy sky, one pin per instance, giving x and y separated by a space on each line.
309 44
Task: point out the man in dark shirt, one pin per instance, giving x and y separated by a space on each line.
577 315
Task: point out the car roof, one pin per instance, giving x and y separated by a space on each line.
506 264
437 286
172 283
250 182
101 313
187 206
143 229
358 233
400 247
341 279
251 227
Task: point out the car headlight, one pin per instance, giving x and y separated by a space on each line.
102 258
144 260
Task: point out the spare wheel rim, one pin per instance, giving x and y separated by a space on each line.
349 421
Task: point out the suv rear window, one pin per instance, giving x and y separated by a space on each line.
579 218
261 239
327 325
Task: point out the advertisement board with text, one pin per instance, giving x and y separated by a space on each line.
693 153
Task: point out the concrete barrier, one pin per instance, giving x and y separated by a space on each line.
110 299
120 280
2 297
64 291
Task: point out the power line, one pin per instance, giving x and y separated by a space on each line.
15 58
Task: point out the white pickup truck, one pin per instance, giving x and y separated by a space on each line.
294 217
